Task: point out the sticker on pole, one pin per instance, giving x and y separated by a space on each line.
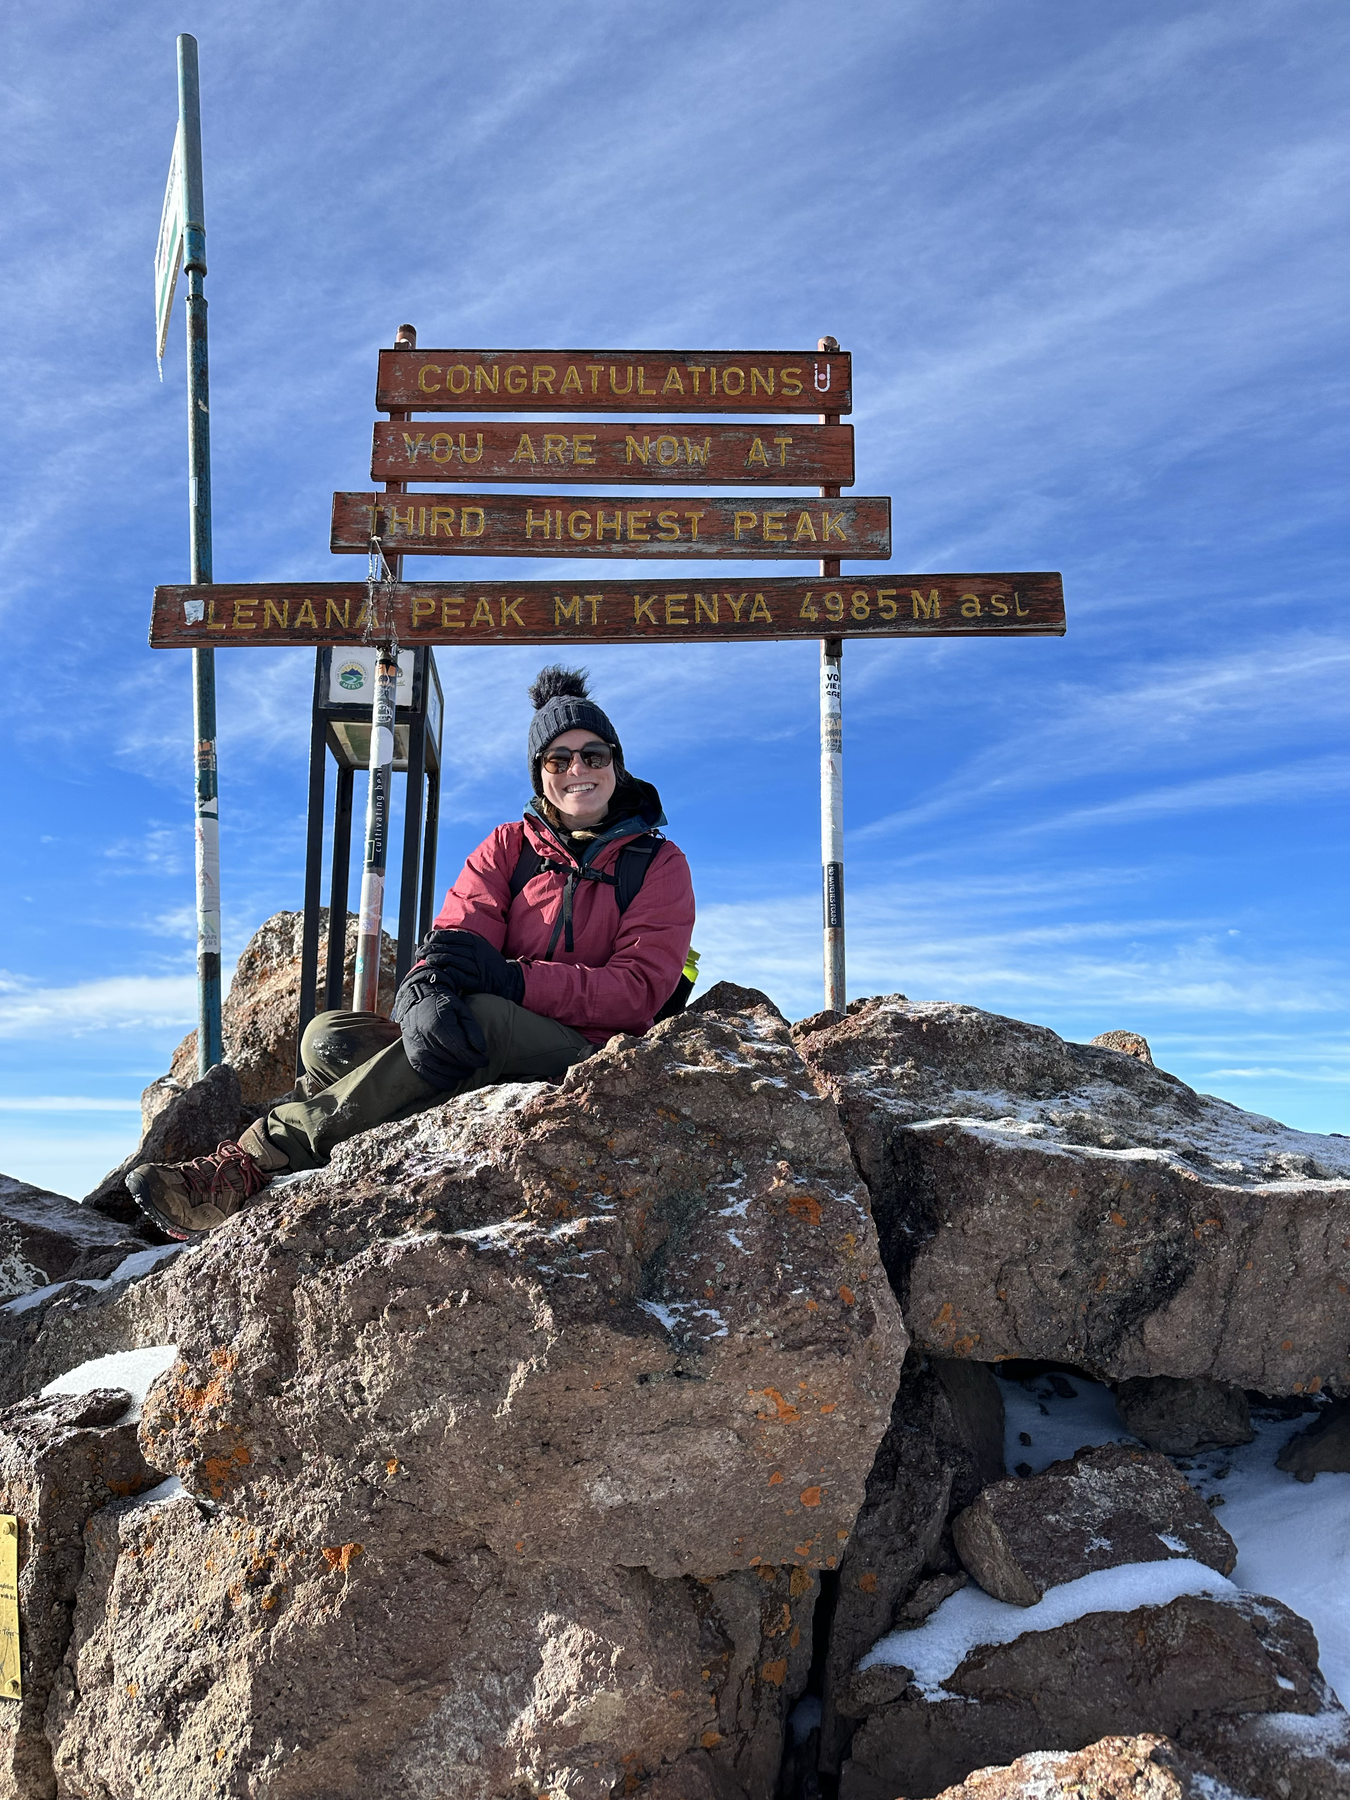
11 1678
169 250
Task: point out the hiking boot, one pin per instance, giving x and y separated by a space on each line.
188 1200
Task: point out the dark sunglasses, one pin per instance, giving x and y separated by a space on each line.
595 756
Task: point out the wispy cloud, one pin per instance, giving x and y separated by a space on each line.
117 1003
67 1103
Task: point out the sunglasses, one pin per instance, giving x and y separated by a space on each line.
595 756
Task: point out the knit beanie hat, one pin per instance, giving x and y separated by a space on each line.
561 704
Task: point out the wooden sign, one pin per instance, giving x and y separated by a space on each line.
581 381
611 525
11 1674
602 612
709 455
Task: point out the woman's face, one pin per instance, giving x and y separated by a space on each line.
582 795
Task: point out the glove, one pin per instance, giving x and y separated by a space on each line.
472 965
441 1038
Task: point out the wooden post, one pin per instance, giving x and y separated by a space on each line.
832 778
366 985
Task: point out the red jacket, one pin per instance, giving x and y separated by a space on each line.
622 968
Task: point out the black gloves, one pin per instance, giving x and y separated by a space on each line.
441 1038
470 964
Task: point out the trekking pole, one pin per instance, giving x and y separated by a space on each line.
370 925
832 776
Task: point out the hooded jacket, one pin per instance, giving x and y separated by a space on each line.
622 968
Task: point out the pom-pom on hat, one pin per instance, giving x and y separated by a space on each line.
561 704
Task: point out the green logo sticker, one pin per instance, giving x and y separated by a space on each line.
351 675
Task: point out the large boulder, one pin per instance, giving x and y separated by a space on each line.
1071 1203
1323 1449
262 1008
1224 1677
62 1458
514 1444
1181 1417
1146 1767
1100 1509
46 1238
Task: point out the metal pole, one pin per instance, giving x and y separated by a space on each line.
832 778
365 997
210 1046
309 930
337 890
412 816
366 986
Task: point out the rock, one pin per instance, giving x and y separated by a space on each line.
262 1008
190 1123
160 1093
62 1458
584 1381
1323 1449
46 1238
1129 1043
1181 1417
1064 1203
1146 1767
1207 1673
943 1442
1099 1509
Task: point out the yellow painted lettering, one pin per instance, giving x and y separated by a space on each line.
809 608
421 609
442 446
594 600
859 604
583 448
886 602
429 387
277 613
614 387
693 518
758 454
695 370
760 610
706 606
579 526
773 527
970 606
472 523
485 380
555 447
517 379
637 525
482 613
305 616
412 445
243 615
998 605
745 521
442 521
509 613
401 521
571 382
931 608
595 371
834 606
675 613
525 449
736 602
467 455
333 615
543 377
567 612
696 455
791 379
602 524
640 388
669 524
760 380
832 523
456 386
451 614
544 521
674 384
782 443
727 374
642 609
1023 612
805 529
667 450
632 448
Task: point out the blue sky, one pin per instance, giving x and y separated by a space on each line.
1090 262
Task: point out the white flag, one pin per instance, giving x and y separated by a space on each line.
169 250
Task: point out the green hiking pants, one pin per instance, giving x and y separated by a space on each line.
358 1074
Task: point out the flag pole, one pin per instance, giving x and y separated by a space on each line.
210 1048
832 778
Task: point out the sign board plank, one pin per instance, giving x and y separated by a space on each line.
604 612
581 381
11 1673
707 455
612 525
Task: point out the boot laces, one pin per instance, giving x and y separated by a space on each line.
229 1167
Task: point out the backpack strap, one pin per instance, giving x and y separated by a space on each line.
634 860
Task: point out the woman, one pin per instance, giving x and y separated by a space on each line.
563 928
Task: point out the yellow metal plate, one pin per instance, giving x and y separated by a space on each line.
11 1686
